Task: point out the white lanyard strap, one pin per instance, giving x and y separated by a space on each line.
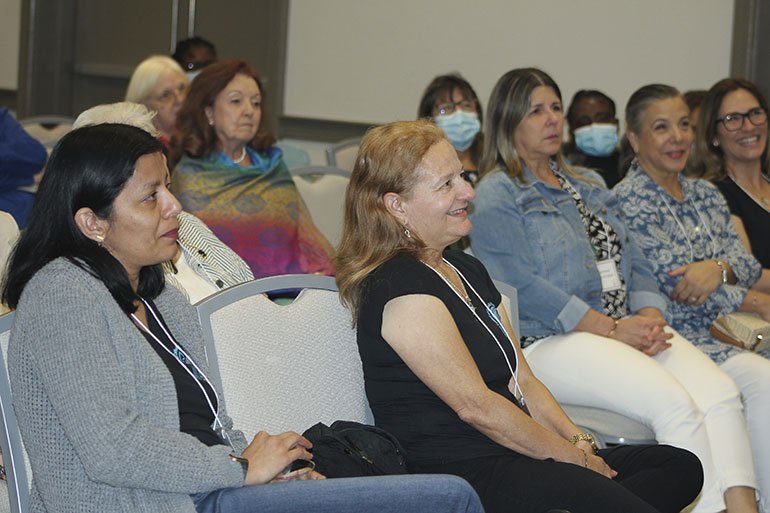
214 410
684 232
492 312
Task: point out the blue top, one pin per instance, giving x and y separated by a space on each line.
21 157
666 232
530 235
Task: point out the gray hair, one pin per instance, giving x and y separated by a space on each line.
124 113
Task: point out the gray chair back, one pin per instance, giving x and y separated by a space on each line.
607 427
47 129
343 154
14 457
323 191
284 367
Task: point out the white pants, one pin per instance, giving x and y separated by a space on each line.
751 373
681 394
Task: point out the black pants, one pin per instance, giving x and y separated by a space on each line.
651 478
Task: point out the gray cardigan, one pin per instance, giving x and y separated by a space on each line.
97 407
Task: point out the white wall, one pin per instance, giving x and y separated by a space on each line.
10 26
369 60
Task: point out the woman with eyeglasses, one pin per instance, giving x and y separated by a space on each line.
450 101
731 151
683 228
159 83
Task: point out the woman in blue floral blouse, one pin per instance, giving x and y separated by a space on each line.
683 227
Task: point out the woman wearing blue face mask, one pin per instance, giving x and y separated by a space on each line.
593 130
451 102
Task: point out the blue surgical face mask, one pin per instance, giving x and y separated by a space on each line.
460 127
597 139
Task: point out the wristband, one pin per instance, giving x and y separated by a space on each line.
240 459
724 271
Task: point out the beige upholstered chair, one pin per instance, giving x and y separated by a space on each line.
47 129
323 189
343 154
284 367
14 496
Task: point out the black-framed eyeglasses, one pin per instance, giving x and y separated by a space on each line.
449 107
734 120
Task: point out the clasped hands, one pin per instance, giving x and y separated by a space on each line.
699 280
644 331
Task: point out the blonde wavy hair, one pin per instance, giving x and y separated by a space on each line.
389 160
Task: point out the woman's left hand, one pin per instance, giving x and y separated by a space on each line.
699 280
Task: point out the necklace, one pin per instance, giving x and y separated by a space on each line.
461 292
243 156
763 201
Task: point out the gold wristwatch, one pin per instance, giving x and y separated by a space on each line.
588 438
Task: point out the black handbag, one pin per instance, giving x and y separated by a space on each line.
351 449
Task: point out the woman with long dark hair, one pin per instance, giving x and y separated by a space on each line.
107 365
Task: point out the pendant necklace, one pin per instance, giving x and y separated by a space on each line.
461 292
763 201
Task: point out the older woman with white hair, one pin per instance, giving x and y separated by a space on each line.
203 264
160 84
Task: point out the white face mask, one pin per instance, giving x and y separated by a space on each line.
192 74
597 139
460 128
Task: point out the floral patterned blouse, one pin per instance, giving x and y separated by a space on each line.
671 234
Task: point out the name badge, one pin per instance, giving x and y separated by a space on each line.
608 271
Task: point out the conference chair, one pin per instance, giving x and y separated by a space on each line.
284 367
607 427
47 129
17 467
343 154
323 189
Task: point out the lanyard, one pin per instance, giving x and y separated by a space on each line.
495 316
178 348
684 232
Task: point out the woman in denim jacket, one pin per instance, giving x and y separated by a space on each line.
591 311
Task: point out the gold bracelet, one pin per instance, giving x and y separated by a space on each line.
585 437
614 327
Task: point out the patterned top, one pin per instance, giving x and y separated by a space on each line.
207 256
606 244
672 233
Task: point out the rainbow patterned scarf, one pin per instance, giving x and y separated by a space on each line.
256 210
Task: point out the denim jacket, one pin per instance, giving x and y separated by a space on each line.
530 235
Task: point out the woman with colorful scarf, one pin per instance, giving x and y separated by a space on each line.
231 177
